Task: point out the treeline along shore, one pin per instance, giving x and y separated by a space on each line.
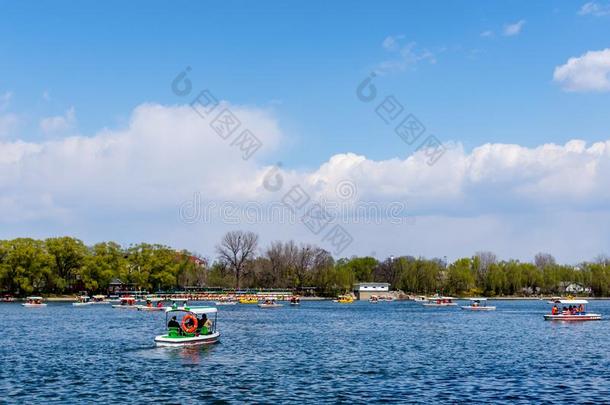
65 265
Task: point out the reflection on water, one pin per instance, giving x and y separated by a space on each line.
184 355
320 351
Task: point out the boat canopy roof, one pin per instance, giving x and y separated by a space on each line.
477 299
99 296
441 298
130 298
179 299
194 310
34 298
577 302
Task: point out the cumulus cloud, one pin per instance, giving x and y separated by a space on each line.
59 123
573 174
588 72
160 158
166 153
595 9
513 29
144 173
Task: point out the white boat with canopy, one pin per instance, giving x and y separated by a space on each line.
82 301
225 301
572 311
152 304
189 326
99 299
127 302
478 304
34 302
440 301
270 303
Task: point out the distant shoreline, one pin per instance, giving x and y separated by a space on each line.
509 298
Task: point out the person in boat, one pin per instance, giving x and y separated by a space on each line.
555 310
204 322
173 323
201 323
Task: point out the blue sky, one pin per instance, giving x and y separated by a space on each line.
473 72
305 60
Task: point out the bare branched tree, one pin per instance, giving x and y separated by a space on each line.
484 261
304 263
236 249
542 260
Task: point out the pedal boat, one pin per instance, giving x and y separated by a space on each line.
225 301
439 302
578 315
126 303
344 299
82 301
152 304
374 299
295 300
99 300
478 304
187 335
34 302
248 301
269 304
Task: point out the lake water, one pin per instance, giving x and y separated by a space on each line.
318 352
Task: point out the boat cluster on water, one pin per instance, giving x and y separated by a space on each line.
196 325
573 310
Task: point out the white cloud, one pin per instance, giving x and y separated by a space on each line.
164 155
595 9
513 29
588 72
139 176
59 123
391 42
407 55
487 34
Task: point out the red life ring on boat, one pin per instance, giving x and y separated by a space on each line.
193 327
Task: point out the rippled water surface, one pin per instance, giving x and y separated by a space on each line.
320 351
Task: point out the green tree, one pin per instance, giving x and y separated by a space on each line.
67 258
